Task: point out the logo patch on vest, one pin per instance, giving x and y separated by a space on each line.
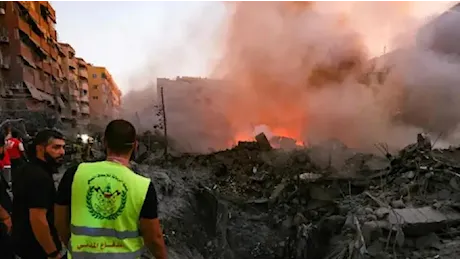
106 196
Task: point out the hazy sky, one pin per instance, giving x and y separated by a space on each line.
139 41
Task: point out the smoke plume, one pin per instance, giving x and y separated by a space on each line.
298 68
306 70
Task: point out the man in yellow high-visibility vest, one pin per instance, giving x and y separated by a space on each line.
112 210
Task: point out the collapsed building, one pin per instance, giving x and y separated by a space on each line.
326 201
322 201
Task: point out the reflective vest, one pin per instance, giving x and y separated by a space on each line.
106 202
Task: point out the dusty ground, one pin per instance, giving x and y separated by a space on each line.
249 203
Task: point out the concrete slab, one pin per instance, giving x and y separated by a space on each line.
422 221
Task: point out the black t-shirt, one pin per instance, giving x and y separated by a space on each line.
149 209
33 187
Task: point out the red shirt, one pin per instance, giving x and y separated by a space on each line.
5 161
12 146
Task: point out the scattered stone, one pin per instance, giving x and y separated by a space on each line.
263 142
382 212
373 229
422 221
429 241
322 194
399 204
277 192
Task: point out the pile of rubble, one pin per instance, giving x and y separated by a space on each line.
326 201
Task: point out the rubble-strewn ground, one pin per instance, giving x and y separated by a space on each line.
322 202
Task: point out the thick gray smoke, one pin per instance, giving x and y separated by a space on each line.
306 71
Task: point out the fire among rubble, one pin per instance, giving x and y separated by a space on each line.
277 137
299 69
274 61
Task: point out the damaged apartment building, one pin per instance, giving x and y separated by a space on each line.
41 76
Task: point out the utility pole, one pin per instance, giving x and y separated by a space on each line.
165 127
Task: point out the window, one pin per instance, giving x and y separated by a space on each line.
95 97
94 86
84 92
103 75
94 76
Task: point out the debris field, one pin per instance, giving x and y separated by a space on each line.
326 201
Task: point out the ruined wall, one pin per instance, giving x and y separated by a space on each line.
194 111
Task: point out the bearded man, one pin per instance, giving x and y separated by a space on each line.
34 234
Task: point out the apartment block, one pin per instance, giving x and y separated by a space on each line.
30 72
40 74
83 88
104 96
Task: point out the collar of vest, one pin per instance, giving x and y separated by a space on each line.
116 159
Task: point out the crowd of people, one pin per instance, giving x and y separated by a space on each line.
100 209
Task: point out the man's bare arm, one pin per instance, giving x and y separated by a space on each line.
41 229
3 213
153 237
5 218
62 222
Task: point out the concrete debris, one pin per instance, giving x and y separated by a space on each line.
253 201
421 221
262 140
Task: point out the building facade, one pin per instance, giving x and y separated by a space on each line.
104 96
29 56
83 89
38 73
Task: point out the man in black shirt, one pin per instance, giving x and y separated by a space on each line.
34 234
5 225
118 133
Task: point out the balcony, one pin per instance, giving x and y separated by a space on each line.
74 106
47 67
45 7
64 87
72 63
34 14
24 26
38 82
54 53
84 98
26 53
35 38
26 4
84 109
72 77
81 63
4 35
57 73
5 62
84 86
28 73
45 45
76 94
83 73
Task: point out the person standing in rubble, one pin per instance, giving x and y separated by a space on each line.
5 164
106 203
77 151
17 153
87 152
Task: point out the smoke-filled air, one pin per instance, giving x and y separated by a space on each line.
359 72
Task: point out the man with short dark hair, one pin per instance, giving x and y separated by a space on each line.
34 234
108 206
